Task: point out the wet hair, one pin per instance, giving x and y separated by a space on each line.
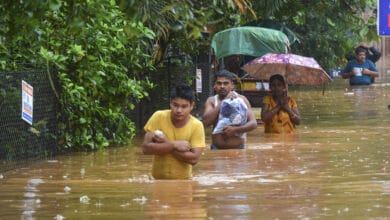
360 50
183 91
277 77
225 73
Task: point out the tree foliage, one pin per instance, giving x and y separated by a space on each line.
99 54
105 50
328 30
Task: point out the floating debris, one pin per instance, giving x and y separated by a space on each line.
59 217
84 199
35 182
82 172
142 179
217 178
125 204
67 189
141 200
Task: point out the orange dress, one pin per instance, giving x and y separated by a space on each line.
281 122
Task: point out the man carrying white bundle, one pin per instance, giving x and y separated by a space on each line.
230 114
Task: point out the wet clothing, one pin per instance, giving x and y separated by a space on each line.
281 122
363 79
166 166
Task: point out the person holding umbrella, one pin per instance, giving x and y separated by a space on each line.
279 112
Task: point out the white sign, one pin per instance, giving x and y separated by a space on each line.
199 80
27 102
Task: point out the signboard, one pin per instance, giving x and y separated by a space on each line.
383 23
199 80
27 102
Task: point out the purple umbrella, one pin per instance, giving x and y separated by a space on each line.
296 69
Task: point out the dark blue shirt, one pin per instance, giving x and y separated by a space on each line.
363 79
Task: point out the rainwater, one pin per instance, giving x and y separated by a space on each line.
337 167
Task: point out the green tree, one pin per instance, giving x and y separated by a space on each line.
328 30
99 54
106 51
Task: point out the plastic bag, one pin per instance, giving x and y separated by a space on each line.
233 112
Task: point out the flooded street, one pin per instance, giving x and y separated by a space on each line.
337 167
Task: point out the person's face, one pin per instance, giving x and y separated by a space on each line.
278 87
360 57
180 109
223 86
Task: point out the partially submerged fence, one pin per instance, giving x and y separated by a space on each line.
20 141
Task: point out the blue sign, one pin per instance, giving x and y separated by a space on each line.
383 17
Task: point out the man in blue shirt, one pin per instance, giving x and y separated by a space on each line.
360 70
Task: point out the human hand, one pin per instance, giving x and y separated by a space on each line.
182 146
365 71
231 95
229 131
284 103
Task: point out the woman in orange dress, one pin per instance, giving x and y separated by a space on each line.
279 112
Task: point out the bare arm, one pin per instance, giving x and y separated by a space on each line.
292 112
192 156
348 75
370 72
211 112
267 114
155 144
294 115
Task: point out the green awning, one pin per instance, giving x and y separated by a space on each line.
250 41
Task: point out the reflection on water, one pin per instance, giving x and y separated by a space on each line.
337 167
31 200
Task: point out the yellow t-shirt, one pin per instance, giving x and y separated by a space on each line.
166 166
281 122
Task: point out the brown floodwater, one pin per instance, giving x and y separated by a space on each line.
336 167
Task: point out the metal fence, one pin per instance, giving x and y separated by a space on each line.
20 142
165 79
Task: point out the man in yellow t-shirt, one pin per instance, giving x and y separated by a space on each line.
175 137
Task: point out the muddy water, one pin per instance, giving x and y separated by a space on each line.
337 167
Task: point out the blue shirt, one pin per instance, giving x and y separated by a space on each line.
363 79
